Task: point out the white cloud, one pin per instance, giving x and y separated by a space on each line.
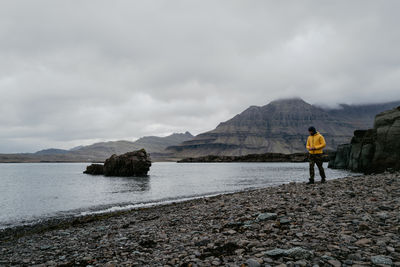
78 72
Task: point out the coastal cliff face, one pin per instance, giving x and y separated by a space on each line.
373 150
279 127
387 145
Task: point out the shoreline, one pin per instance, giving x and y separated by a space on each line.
51 223
37 226
352 221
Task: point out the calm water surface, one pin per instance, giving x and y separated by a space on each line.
32 192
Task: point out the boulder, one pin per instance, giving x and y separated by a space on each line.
136 163
95 169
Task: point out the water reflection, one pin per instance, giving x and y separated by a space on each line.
130 184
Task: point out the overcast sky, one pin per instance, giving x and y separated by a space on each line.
78 72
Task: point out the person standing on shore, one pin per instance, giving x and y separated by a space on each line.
315 144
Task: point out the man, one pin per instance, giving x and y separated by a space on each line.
315 144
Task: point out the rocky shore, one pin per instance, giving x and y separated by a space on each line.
353 221
266 157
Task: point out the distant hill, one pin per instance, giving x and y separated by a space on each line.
51 151
100 151
280 127
152 144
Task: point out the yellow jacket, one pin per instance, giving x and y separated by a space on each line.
316 141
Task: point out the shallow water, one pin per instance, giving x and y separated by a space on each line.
32 192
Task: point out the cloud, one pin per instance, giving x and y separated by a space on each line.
73 73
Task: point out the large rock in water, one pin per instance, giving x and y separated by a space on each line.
373 150
136 163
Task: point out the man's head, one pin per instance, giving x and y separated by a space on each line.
312 130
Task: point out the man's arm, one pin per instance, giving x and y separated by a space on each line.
308 146
322 143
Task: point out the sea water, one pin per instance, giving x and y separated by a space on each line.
31 192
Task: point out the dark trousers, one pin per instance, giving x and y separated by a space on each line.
316 159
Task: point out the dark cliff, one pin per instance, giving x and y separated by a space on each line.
374 150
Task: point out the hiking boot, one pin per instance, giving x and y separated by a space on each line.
311 182
323 181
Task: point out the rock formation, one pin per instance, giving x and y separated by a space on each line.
135 163
373 150
279 127
340 158
95 169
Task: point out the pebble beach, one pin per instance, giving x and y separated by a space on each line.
353 221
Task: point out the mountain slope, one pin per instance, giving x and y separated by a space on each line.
280 127
152 144
100 151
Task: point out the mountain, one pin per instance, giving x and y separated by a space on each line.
75 148
100 151
280 127
51 151
152 144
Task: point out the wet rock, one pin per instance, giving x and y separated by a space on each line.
95 169
301 263
327 258
297 253
252 263
383 215
363 227
284 221
363 242
266 216
390 249
202 243
335 263
378 260
148 243
275 253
